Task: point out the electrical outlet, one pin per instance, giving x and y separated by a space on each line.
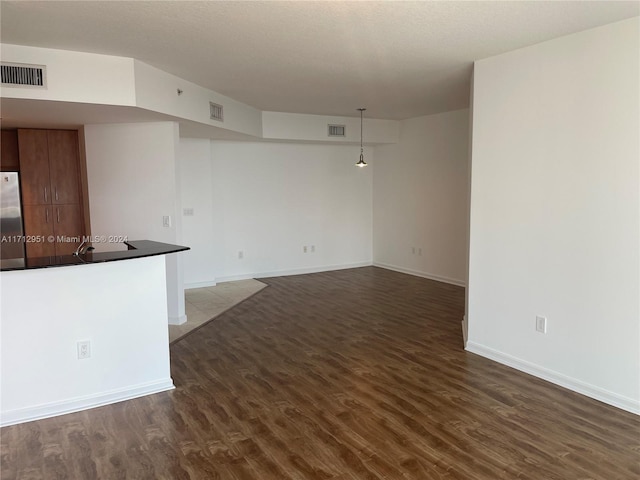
413 250
187 212
240 254
313 249
541 324
419 251
166 221
304 249
84 349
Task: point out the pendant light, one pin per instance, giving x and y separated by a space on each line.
361 162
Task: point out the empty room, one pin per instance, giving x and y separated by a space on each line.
338 240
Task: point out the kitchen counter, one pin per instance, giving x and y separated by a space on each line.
135 249
117 309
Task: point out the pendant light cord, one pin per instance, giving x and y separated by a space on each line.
361 149
361 162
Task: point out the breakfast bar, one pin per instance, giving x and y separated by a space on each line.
80 331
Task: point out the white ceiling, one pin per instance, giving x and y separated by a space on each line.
398 59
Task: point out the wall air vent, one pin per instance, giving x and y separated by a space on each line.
337 130
216 112
20 74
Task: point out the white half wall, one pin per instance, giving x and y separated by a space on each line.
132 178
119 307
420 198
555 211
268 201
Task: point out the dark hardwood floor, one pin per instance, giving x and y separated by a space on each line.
354 374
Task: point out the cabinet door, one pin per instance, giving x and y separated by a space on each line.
67 225
34 162
38 221
9 155
63 166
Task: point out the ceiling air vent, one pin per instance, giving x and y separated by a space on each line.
23 75
216 112
337 130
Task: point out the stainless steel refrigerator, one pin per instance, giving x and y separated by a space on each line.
13 243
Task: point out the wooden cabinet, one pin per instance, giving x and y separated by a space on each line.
34 160
51 198
66 222
63 167
9 160
38 221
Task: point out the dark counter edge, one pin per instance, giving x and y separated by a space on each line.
137 249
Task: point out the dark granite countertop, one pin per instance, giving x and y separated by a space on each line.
136 249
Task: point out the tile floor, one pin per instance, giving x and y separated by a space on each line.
203 304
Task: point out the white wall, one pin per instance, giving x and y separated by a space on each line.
132 182
74 76
157 90
420 198
555 211
314 128
101 80
132 179
198 230
269 200
119 307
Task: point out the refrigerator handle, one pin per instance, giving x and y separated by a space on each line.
56 193
46 215
58 214
45 194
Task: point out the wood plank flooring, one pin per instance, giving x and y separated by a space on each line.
346 375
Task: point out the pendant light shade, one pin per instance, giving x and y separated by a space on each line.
361 162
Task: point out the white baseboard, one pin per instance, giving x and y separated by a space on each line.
465 330
178 320
325 268
297 271
209 283
12 417
597 393
416 273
